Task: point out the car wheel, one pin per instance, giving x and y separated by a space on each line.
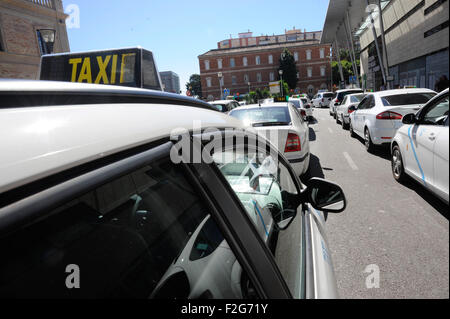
368 141
352 133
398 169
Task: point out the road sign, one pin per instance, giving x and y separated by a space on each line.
274 87
226 92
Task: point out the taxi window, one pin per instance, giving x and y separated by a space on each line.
128 239
437 114
264 186
407 99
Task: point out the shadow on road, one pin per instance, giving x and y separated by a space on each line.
382 151
312 134
313 120
429 197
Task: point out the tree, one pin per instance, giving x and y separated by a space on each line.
347 68
195 85
287 64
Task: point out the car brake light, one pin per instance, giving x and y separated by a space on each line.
323 99
350 111
292 143
389 115
302 112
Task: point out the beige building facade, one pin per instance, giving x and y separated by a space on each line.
20 42
417 43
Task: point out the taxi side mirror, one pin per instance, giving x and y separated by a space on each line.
409 119
325 196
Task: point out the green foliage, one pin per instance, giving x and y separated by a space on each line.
195 85
258 94
287 64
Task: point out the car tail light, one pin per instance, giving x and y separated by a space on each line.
323 100
389 115
303 113
292 143
350 111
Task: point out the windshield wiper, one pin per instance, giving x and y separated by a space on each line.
269 124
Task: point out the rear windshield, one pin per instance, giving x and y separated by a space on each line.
407 99
278 115
340 96
328 95
357 98
220 107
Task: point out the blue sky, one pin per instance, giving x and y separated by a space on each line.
178 31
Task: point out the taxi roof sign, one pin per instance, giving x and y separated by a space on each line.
133 67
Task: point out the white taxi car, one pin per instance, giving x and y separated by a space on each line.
379 115
98 180
348 105
420 149
283 125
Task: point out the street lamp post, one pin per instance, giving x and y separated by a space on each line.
281 81
220 84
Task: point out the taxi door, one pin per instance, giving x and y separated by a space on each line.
421 160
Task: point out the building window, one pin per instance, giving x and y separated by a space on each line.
270 59
258 77
206 64
308 55
246 78
244 61
232 63
208 82
298 75
322 53
271 76
296 56
2 48
258 60
219 63
322 71
233 79
309 70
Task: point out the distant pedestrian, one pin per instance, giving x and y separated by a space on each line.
442 84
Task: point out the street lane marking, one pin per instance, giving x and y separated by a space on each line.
331 131
350 161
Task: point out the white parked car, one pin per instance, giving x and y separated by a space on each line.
282 124
302 105
379 115
339 96
322 99
347 106
420 148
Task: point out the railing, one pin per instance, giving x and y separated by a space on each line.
45 3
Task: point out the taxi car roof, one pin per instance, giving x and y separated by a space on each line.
400 91
18 93
41 141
